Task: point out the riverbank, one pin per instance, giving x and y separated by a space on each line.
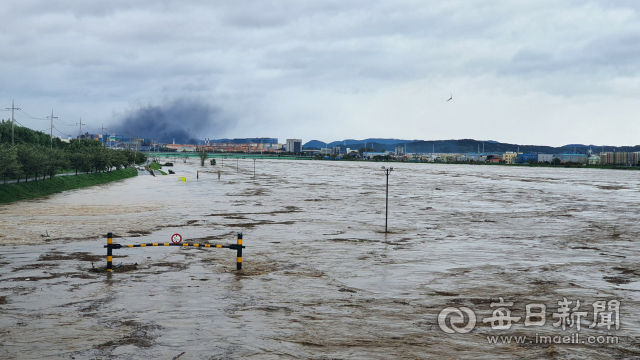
32 189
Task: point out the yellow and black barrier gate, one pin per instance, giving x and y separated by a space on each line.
111 246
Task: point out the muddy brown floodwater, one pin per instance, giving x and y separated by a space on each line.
321 279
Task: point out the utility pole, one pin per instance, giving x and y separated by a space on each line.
51 134
80 132
12 108
254 168
386 208
104 139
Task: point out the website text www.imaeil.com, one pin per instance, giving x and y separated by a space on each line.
573 338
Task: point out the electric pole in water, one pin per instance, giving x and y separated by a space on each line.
12 108
386 208
52 117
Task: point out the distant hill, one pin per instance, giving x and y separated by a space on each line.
463 146
317 144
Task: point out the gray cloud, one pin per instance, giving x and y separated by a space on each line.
303 63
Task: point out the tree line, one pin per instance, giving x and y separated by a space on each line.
34 155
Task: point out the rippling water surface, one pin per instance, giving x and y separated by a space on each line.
321 279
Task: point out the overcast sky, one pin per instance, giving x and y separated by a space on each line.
528 72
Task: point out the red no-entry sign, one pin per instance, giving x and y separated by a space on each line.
176 238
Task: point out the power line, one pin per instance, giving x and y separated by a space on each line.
60 122
19 123
27 115
61 132
28 118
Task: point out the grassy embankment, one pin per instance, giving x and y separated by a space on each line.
156 166
32 189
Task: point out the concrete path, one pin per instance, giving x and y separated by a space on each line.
34 179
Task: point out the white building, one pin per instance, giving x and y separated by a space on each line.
294 145
371 155
545 158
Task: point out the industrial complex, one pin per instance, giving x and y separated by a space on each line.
268 145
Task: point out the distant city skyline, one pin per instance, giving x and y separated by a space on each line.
529 72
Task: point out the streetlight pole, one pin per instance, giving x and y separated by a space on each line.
386 208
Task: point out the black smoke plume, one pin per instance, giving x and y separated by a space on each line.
186 120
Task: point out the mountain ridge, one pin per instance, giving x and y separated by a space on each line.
462 146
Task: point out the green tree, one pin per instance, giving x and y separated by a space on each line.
77 160
77 144
56 161
203 156
118 159
140 158
97 158
9 165
30 160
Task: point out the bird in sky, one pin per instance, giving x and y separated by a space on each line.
451 98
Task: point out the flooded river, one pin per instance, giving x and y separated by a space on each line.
321 279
